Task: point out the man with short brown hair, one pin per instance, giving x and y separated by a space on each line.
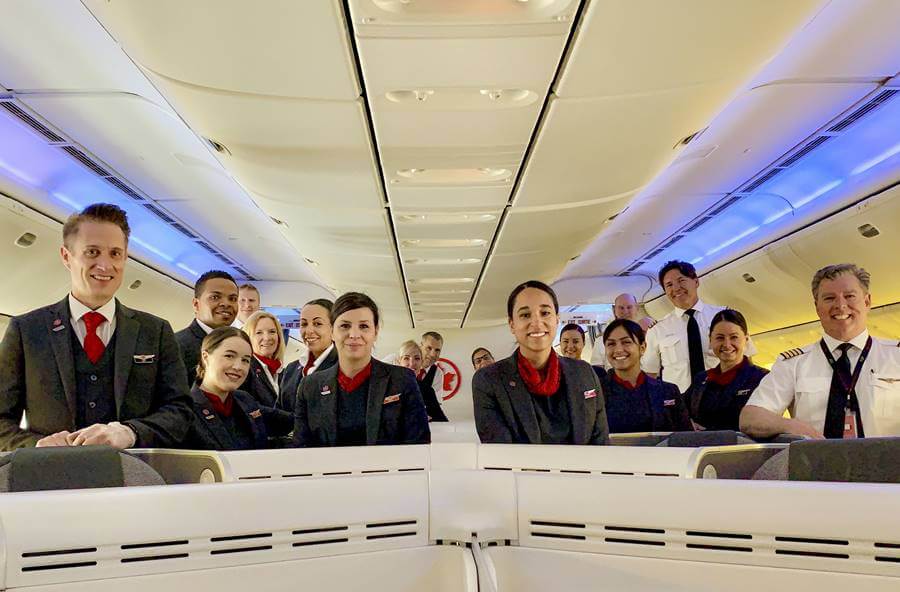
88 370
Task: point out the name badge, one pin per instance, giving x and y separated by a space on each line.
392 399
256 414
144 358
888 379
590 394
743 392
668 402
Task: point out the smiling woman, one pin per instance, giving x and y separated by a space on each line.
534 396
360 400
267 339
226 418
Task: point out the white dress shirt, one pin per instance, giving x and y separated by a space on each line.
667 345
105 330
305 358
206 328
800 380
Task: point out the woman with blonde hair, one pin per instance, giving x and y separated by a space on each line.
410 356
267 339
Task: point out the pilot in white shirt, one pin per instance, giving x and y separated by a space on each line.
801 378
667 341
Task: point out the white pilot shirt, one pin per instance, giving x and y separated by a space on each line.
667 345
105 330
800 380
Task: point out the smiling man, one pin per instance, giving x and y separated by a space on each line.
248 303
678 345
846 385
215 305
88 370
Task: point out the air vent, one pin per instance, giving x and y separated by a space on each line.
207 247
184 230
804 151
26 240
864 110
85 160
672 241
635 266
698 224
32 122
868 231
758 182
121 186
724 205
654 253
159 213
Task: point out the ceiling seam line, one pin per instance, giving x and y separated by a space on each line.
370 128
535 132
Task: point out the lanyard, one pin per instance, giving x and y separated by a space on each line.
850 388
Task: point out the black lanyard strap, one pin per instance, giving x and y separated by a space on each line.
857 371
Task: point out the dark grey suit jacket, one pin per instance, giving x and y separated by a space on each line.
398 421
293 376
209 432
504 411
189 341
37 376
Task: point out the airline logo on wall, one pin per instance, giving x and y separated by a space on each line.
452 380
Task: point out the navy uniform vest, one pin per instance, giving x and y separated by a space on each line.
95 401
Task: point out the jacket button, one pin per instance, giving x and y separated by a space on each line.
92 404
93 378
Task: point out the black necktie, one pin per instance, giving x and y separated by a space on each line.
695 345
837 395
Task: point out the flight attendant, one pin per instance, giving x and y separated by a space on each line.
571 341
536 396
315 331
267 338
226 418
410 356
360 400
718 395
635 401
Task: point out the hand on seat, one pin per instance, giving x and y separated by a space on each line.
112 434
57 439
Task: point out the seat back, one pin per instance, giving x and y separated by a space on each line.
77 467
705 438
869 460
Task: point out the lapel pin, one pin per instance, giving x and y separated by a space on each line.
207 412
256 414
57 325
512 383
326 390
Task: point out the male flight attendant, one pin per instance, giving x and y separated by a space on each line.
248 303
88 370
846 385
432 344
215 305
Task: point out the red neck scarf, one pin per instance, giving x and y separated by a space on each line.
724 378
348 385
309 364
631 387
544 383
221 407
271 363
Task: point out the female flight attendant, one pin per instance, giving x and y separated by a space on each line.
315 330
410 356
226 418
636 402
535 396
571 341
267 337
360 400
718 395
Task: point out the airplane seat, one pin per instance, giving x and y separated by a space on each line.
863 460
81 467
705 438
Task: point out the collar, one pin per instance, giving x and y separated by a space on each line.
725 378
637 383
206 328
348 385
236 323
858 342
699 306
223 408
78 310
318 360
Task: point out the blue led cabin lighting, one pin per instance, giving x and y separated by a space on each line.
810 183
67 185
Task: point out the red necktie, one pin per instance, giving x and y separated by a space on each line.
93 346
420 375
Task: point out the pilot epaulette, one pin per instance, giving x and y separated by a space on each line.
791 353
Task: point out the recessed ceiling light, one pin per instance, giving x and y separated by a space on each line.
445 218
438 292
434 281
438 304
443 243
418 95
453 176
445 261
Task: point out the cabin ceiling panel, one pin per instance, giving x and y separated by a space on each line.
473 230
277 47
50 56
589 149
689 43
168 163
847 40
754 131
